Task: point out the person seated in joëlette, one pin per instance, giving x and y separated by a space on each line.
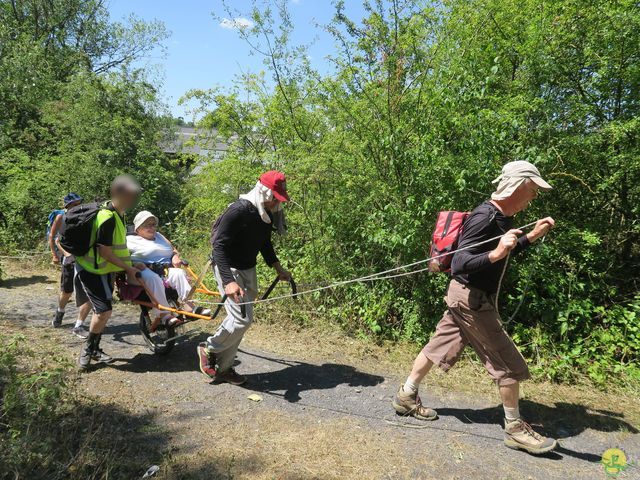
163 262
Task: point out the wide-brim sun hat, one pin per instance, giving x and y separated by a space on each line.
512 176
142 217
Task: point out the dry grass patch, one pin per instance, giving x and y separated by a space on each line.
268 444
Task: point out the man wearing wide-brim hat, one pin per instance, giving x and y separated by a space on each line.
472 317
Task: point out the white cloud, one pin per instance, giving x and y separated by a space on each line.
238 22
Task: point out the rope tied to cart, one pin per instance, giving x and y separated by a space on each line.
383 275
167 335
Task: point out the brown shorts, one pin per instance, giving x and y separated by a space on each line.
472 319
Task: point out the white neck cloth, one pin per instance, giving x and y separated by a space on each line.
257 196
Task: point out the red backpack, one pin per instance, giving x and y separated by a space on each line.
445 239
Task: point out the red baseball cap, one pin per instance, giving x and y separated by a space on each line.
277 183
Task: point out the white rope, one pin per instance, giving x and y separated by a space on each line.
374 276
497 297
524 290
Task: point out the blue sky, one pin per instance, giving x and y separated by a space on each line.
203 53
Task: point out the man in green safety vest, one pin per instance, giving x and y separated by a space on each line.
109 254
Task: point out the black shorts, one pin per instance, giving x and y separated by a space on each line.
66 277
94 288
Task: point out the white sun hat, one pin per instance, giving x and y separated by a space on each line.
513 174
142 217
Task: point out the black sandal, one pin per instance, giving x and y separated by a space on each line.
202 311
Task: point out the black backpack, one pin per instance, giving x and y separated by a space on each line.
77 224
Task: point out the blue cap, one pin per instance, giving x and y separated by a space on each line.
70 198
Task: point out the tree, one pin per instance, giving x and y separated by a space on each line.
424 106
76 112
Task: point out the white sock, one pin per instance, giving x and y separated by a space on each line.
79 323
409 386
511 414
61 310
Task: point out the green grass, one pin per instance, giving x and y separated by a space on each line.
49 431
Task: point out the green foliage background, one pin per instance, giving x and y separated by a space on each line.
75 113
425 104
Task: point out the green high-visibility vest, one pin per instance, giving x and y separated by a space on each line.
92 261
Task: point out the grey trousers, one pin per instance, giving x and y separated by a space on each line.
225 342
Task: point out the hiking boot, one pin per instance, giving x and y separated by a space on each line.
80 332
206 360
85 358
519 435
57 321
409 404
232 377
101 357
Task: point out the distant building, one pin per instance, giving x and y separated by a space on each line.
201 146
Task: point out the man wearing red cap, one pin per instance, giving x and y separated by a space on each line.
239 234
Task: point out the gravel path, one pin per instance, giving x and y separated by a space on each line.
465 442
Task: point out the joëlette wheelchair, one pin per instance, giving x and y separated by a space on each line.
160 337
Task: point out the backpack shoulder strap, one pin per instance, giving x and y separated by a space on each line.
217 221
494 214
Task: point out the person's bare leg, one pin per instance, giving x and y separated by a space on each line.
421 366
99 321
63 300
83 311
510 395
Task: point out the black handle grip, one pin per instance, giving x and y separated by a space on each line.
219 307
294 288
243 308
270 289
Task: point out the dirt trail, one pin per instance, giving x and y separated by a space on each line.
316 419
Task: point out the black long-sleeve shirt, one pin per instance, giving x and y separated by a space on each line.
473 267
239 235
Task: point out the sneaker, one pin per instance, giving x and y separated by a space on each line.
409 404
85 358
232 377
57 321
80 332
101 357
519 435
207 360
